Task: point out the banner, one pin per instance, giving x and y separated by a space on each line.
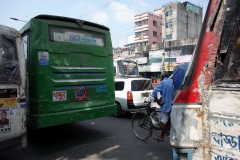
183 59
169 67
154 67
142 60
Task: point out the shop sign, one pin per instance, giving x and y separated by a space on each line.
142 60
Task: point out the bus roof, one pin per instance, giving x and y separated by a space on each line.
65 19
5 30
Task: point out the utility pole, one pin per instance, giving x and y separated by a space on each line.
169 55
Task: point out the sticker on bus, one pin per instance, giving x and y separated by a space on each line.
59 95
81 94
8 97
101 89
8 102
5 121
43 58
8 93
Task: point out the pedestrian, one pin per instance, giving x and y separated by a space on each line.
166 89
152 78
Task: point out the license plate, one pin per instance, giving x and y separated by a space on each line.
145 94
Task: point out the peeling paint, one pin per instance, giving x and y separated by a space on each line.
186 126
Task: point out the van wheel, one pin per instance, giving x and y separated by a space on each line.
118 111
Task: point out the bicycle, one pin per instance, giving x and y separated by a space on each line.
143 121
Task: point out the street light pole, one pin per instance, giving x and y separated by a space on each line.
15 19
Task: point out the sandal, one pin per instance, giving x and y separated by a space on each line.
157 139
167 133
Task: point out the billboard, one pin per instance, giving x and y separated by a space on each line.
155 56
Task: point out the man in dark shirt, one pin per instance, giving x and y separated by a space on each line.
166 89
4 120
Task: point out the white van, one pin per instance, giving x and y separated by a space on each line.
130 94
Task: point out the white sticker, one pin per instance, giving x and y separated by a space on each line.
59 95
43 58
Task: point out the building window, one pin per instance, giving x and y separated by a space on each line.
154 34
169 25
144 33
145 21
168 36
137 34
139 23
168 13
154 23
145 43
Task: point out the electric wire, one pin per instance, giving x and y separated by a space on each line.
101 7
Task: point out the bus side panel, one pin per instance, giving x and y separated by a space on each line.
224 124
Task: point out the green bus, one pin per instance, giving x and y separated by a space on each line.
69 70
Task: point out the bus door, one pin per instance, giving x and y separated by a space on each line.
205 115
12 91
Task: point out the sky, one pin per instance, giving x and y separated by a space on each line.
118 15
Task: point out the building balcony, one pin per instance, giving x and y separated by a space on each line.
144 27
141 28
137 28
141 38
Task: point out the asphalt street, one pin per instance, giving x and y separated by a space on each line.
106 138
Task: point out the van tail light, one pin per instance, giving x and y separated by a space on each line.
129 96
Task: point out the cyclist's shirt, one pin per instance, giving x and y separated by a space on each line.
166 89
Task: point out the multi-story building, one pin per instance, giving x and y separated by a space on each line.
148 29
181 20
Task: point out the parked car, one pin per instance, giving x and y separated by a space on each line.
130 94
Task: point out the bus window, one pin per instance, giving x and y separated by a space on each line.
233 70
9 66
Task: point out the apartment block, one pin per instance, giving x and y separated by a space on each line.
181 20
148 28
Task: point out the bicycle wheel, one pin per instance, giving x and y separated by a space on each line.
156 120
142 125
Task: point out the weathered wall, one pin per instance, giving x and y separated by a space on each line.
172 18
186 128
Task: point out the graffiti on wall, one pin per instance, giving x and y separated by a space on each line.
226 135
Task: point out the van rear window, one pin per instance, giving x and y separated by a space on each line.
141 85
58 34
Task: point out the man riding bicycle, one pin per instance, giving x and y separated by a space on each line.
166 89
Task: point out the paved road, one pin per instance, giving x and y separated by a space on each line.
106 138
